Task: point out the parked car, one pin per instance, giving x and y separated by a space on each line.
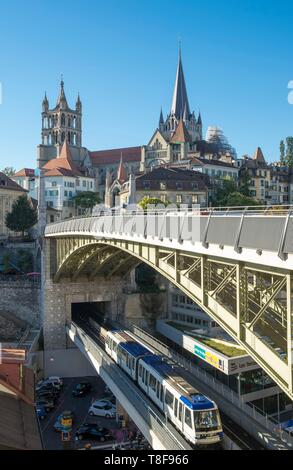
47 394
82 389
48 386
55 378
93 431
58 425
101 408
110 398
46 403
41 412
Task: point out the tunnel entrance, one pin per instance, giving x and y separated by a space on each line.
97 310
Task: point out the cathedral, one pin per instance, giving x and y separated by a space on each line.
176 136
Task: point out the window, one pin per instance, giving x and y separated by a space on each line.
180 411
163 198
179 186
194 186
146 185
152 382
169 398
163 185
178 198
54 183
84 184
188 417
194 199
176 407
65 193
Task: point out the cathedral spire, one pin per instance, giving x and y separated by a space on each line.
161 120
121 174
62 101
180 99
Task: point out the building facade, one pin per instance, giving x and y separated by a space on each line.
9 192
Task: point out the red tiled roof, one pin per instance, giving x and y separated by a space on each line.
62 164
181 134
104 157
25 172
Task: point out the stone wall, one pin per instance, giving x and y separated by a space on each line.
20 299
59 297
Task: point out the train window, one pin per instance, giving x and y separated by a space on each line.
140 370
176 407
147 377
188 417
180 411
152 382
158 390
169 398
161 394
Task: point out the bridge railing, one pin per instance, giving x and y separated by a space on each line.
234 226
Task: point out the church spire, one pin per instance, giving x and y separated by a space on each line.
180 99
161 120
62 101
121 174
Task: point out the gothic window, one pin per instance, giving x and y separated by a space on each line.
62 137
62 120
74 122
74 139
56 137
69 138
69 122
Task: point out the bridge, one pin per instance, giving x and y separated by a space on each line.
236 264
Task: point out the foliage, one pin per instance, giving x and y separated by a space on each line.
282 152
9 171
86 199
25 261
22 216
238 199
146 201
244 184
6 263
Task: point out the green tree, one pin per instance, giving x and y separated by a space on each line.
25 260
146 201
238 199
244 183
289 151
22 216
226 187
282 152
9 171
86 200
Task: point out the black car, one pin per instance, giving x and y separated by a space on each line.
93 431
82 389
47 394
46 403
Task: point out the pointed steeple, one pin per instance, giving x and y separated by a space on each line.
161 120
121 174
62 101
180 99
78 104
258 156
181 135
199 121
45 103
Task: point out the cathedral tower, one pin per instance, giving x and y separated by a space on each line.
59 124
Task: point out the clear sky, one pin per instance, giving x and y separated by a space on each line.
121 55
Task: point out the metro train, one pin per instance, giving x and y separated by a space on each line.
193 414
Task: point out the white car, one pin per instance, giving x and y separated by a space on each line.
102 408
50 381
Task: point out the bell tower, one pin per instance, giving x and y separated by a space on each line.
59 124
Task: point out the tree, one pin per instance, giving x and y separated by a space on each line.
244 183
86 200
22 216
9 171
238 199
282 152
289 152
147 201
227 186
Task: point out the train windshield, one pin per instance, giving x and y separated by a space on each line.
208 420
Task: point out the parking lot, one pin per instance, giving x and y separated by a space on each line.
79 406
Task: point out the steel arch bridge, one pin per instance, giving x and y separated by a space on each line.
237 267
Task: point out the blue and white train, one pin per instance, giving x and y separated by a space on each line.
193 414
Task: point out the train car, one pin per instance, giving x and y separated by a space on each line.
113 339
128 354
194 415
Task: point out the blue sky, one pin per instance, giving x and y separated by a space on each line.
121 55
